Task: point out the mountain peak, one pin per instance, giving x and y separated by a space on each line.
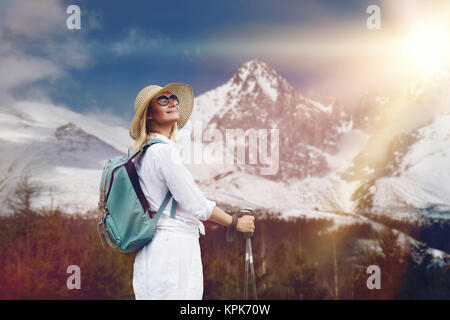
255 68
256 76
257 97
67 129
255 64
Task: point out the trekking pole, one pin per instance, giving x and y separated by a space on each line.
248 260
230 236
252 269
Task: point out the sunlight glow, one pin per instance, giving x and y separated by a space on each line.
426 48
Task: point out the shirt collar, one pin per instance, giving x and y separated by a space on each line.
163 138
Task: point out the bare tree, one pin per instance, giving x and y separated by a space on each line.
20 201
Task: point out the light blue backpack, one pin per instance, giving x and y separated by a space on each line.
125 220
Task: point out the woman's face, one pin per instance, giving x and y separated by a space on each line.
163 114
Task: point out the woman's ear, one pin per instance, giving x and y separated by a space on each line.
148 113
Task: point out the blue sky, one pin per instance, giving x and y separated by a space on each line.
125 45
143 42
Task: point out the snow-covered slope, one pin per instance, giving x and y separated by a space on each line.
405 166
58 149
420 182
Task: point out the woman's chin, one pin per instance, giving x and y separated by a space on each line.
173 119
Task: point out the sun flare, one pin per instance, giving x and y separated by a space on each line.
426 48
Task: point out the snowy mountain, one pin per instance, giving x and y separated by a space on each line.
409 175
257 97
60 150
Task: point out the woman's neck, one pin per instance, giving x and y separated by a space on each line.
165 131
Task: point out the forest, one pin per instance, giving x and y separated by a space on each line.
295 259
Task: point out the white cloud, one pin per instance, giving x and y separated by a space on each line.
105 115
35 45
71 53
19 69
34 19
138 41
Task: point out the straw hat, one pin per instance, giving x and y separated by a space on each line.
185 96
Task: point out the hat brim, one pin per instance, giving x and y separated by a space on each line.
185 96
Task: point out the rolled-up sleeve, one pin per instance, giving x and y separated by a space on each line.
181 183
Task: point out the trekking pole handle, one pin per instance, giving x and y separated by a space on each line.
231 231
246 212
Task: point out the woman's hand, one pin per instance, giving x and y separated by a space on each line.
246 224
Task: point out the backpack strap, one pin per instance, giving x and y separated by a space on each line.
148 143
134 178
164 203
132 173
173 209
163 206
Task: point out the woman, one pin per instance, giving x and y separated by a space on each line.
170 266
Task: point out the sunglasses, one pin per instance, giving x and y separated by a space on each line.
164 101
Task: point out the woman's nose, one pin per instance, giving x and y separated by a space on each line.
172 104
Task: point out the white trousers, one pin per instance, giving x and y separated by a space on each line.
169 267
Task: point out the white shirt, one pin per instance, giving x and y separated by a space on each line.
161 169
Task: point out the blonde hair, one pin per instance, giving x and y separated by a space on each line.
146 133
